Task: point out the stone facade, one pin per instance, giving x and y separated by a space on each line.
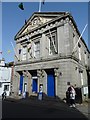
44 55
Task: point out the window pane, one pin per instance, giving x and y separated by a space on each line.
53 45
24 52
6 87
37 49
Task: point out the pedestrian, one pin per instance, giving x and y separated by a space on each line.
40 96
4 95
24 94
72 96
67 97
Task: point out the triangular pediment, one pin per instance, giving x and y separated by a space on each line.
36 20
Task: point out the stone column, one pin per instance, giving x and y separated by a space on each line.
56 73
44 81
12 78
24 79
43 46
60 39
39 77
16 83
29 83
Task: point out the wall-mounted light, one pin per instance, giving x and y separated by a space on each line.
80 70
60 73
68 83
85 52
76 68
79 45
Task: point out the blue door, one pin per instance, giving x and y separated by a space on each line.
21 83
50 85
34 86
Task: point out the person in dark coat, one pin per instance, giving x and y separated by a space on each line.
72 97
68 95
4 95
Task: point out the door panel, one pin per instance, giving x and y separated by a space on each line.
34 85
50 85
21 83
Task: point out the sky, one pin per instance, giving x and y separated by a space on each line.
13 19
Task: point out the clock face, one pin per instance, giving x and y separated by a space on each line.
36 21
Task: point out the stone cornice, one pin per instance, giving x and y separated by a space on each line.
56 22
52 23
55 57
37 14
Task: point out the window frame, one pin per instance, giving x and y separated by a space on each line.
35 48
7 88
24 54
54 34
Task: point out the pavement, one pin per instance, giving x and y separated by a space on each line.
83 108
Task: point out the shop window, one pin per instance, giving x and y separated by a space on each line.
6 87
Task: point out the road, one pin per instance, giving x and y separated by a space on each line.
38 109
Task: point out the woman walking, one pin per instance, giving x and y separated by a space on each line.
71 96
